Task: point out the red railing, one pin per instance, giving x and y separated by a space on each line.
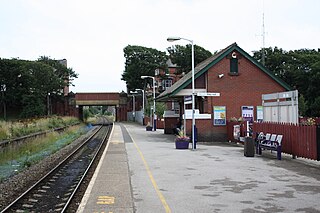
298 140
160 122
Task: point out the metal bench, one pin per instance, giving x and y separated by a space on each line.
270 142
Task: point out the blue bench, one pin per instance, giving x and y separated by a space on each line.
270 142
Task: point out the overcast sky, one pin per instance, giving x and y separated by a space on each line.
91 34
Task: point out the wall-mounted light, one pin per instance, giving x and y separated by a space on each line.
221 75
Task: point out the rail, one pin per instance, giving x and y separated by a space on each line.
54 191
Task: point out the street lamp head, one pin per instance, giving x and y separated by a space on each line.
145 76
172 39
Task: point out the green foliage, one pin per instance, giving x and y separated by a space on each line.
107 113
314 107
141 61
56 122
300 69
181 55
66 75
160 108
95 110
4 133
28 83
302 105
16 157
10 130
33 106
86 114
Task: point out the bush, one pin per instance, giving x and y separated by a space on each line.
4 132
10 130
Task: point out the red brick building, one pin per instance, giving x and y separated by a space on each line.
226 85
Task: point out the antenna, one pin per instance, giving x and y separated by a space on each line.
263 37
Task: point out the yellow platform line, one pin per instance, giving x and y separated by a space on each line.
155 186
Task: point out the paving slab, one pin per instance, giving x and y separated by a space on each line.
218 178
143 172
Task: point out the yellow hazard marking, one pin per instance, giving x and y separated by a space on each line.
101 212
105 200
155 186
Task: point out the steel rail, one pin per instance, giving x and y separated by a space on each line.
85 173
52 171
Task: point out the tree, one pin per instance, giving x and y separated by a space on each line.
65 74
300 69
302 105
181 55
141 61
160 108
28 83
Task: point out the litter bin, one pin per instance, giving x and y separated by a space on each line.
248 147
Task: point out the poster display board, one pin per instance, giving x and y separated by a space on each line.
259 113
219 116
236 132
247 113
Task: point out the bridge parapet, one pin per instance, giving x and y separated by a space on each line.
97 99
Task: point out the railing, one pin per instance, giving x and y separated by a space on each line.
298 140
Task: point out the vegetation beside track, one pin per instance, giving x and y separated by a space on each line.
11 130
18 157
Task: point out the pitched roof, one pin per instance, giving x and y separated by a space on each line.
207 64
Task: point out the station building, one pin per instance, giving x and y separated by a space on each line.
228 85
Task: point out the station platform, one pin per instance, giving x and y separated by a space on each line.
141 171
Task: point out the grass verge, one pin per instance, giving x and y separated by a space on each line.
15 158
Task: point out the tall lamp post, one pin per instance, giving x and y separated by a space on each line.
3 90
133 105
172 39
142 104
154 101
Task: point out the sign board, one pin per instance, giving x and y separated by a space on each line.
236 132
216 94
259 113
281 107
219 115
247 113
188 99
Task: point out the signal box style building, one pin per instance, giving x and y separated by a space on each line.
228 85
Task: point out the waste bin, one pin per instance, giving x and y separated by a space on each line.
248 147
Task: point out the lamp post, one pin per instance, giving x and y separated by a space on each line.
154 100
48 103
3 89
133 105
142 104
172 39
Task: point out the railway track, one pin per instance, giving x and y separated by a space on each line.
54 192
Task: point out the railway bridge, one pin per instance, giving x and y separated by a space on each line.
118 100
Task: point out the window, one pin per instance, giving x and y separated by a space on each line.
234 66
166 83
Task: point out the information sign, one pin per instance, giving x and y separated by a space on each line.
216 94
188 99
219 115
